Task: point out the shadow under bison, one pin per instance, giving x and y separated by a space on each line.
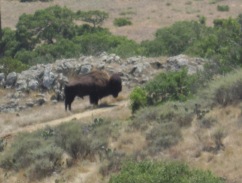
96 85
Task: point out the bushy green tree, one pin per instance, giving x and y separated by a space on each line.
222 43
175 39
45 26
100 41
95 17
9 45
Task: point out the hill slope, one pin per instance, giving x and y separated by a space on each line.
146 15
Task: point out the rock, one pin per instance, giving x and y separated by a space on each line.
2 79
11 79
33 84
48 78
85 69
40 101
177 62
21 85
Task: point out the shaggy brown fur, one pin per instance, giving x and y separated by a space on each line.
96 84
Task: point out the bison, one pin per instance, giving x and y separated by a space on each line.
96 85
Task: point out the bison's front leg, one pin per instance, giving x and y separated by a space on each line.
68 101
93 99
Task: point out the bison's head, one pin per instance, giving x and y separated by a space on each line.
115 84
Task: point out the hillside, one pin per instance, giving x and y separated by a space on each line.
208 142
146 15
40 142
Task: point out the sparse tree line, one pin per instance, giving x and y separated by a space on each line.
52 33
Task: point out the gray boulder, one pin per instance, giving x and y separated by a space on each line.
33 84
2 79
11 79
180 61
48 78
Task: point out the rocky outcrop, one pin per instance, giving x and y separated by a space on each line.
52 77
193 64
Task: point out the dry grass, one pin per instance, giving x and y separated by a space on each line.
223 162
129 143
146 15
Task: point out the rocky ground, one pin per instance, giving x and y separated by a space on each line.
47 81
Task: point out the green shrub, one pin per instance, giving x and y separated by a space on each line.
162 136
173 40
27 150
122 22
223 8
127 48
138 99
172 172
81 140
8 44
229 93
47 160
26 56
8 64
73 140
176 85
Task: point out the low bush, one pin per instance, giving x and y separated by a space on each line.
162 136
138 99
29 151
39 154
177 86
223 8
121 22
8 65
172 172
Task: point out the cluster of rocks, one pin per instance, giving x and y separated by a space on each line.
43 78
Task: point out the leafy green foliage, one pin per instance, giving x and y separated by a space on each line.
8 44
170 86
164 87
121 22
172 172
45 26
223 8
96 17
173 40
100 41
8 64
126 48
138 99
222 44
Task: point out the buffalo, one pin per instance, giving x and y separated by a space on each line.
96 85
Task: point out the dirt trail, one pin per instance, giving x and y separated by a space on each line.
92 113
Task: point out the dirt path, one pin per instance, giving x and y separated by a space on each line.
92 113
